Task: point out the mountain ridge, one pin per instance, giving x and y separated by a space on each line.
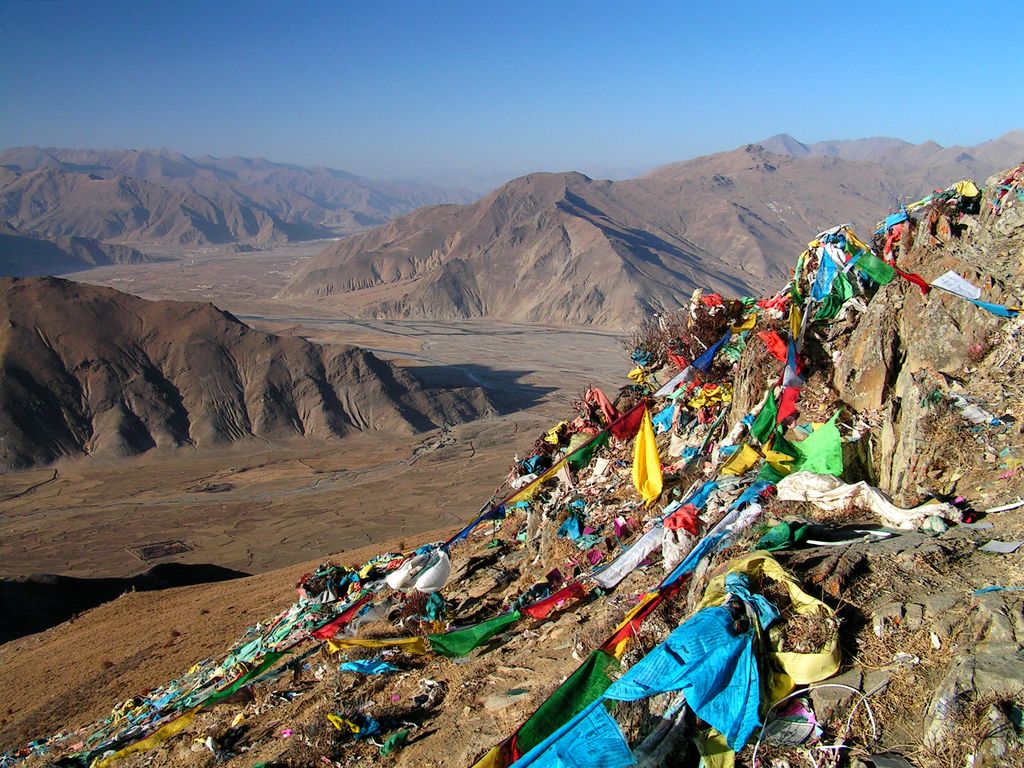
88 370
615 251
25 254
163 197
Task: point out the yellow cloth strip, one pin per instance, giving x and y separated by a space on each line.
491 760
528 492
856 242
410 644
743 460
638 374
173 728
620 649
747 324
796 668
646 465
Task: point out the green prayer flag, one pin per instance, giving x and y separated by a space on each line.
783 536
463 641
822 451
769 473
581 689
268 661
582 457
833 302
764 424
395 741
875 268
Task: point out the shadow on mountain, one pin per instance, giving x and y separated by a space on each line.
504 387
30 604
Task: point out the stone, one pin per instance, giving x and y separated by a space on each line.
913 616
829 701
877 681
499 701
994 749
938 604
887 615
868 365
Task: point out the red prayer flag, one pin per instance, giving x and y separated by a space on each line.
543 608
333 627
787 403
684 517
626 426
916 279
775 344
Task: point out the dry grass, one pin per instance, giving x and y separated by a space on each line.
797 632
682 334
977 723
898 707
947 433
770 755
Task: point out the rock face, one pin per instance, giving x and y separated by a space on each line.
566 249
908 345
165 197
863 375
91 370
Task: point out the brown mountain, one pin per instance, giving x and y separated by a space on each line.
565 249
23 254
90 370
165 197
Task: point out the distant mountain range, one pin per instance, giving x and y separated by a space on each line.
565 249
926 160
162 197
545 248
91 370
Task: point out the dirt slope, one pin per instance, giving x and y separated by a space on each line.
95 666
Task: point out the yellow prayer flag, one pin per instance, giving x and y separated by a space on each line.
780 462
856 242
408 644
493 759
646 465
746 324
152 741
638 374
530 490
742 461
551 436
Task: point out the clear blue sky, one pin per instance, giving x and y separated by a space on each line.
433 89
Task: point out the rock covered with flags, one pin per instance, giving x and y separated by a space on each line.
634 595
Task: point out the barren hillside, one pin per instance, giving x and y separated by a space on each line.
85 369
566 249
167 198
23 254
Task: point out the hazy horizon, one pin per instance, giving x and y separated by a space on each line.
469 95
